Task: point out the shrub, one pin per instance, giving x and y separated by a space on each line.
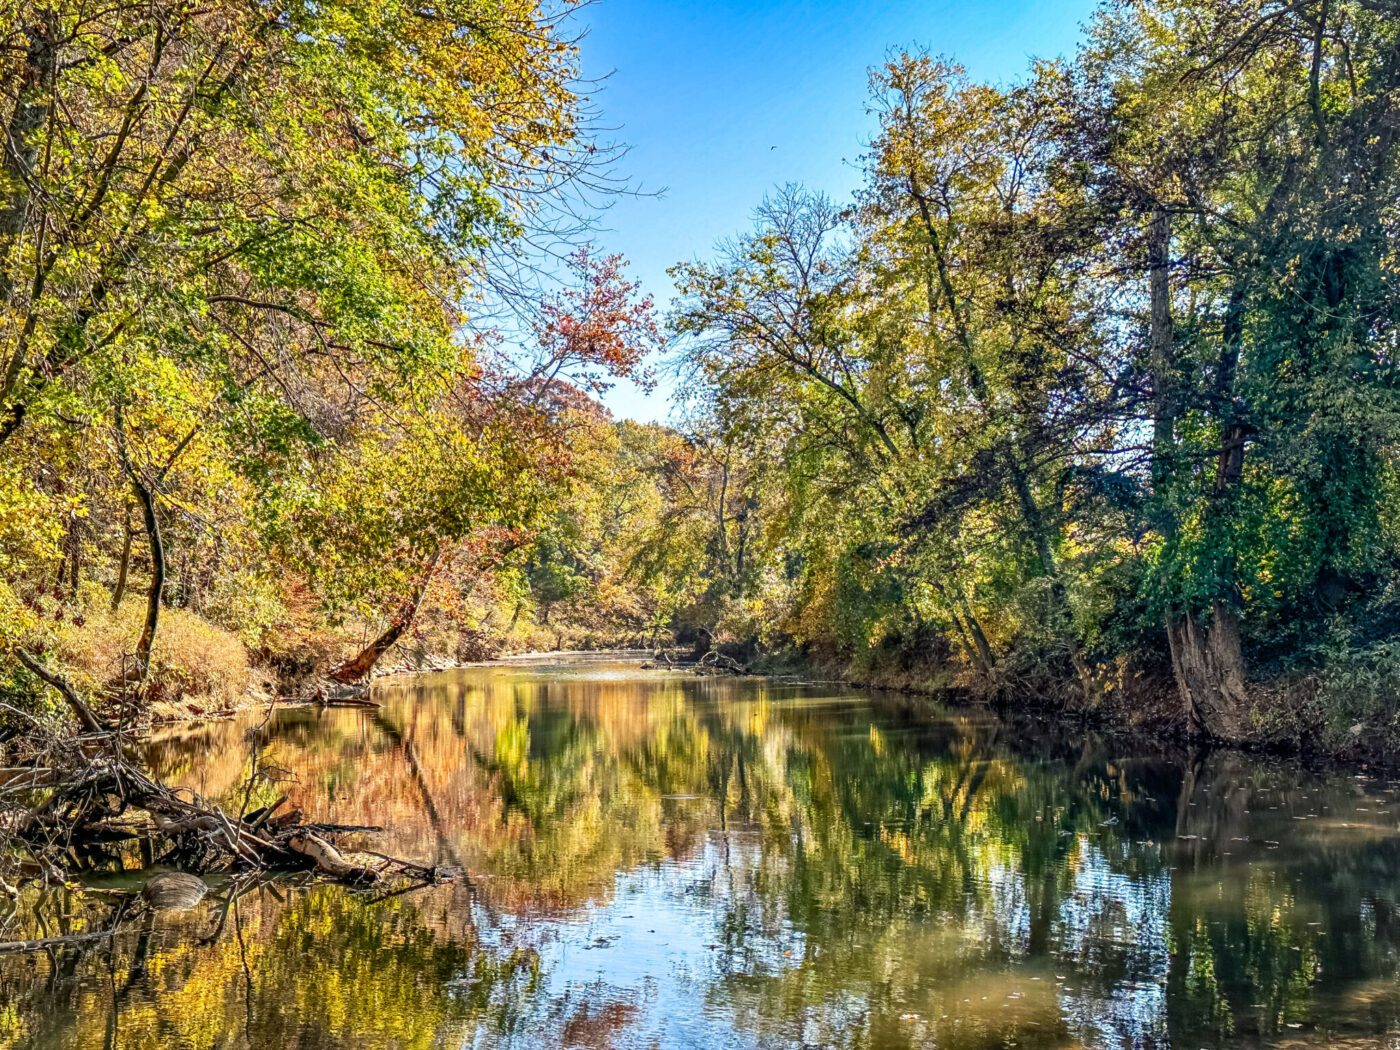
1358 697
248 603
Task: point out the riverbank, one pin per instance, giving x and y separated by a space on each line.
205 672
1287 715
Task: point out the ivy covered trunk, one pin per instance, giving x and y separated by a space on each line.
1206 652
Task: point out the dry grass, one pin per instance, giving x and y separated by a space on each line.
195 666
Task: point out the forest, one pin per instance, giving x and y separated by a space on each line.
1087 399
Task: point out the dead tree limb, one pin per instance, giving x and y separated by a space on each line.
89 721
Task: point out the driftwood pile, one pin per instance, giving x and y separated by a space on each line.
712 663
86 801
76 801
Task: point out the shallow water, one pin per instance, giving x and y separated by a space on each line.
662 860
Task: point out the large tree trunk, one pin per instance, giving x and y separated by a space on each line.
1208 663
156 590
974 640
362 663
1207 657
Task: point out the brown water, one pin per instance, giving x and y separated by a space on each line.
663 860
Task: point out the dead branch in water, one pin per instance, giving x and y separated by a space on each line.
82 800
716 662
79 796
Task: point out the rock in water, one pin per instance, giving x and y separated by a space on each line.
174 890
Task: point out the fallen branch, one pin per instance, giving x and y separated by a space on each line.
715 661
97 800
433 873
89 721
327 859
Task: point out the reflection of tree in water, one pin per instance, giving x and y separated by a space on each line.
1282 910
891 879
927 877
298 968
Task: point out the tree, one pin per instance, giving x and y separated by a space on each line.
1268 307
272 219
1095 380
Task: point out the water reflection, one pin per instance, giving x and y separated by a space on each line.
668 861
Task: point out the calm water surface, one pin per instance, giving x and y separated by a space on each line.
659 860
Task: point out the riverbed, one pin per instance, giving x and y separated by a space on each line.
659 859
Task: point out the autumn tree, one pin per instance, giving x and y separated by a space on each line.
273 220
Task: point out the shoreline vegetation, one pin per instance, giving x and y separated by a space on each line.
1149 714
1089 398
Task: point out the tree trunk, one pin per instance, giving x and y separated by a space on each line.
89 721
979 639
975 654
938 282
1162 349
34 93
1207 657
75 567
1061 613
1208 663
156 590
970 633
359 666
34 98
68 566
124 565
146 498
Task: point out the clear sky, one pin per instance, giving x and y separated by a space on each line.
720 101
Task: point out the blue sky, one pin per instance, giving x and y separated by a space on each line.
721 101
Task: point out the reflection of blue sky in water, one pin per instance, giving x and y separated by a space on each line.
654 947
655 951
1110 913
